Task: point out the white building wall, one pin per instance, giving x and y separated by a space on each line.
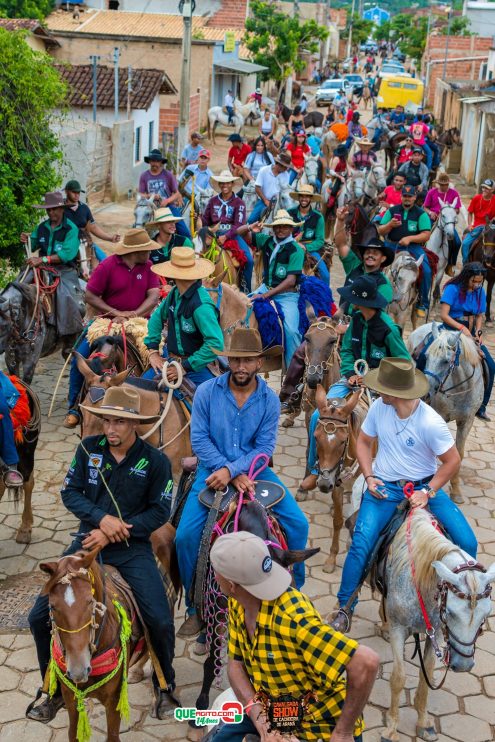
156 6
481 15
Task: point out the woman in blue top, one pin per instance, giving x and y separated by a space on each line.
463 305
259 157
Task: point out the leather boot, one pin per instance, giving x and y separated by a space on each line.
294 375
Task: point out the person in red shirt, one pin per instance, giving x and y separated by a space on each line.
391 196
298 149
480 210
237 154
404 153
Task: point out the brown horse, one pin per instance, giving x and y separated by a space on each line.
483 251
86 620
226 267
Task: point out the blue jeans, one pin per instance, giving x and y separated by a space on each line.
230 112
468 241
292 175
197 377
491 376
76 379
436 154
237 732
374 515
248 268
339 390
193 519
99 254
181 226
292 338
257 211
428 154
8 451
426 275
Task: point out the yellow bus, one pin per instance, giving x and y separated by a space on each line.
400 90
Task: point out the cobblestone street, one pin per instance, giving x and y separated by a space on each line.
463 711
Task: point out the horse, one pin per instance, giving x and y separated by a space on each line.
374 184
241 111
353 189
144 210
80 596
312 119
404 275
483 251
456 594
361 228
310 172
454 370
226 267
442 235
26 440
201 199
447 139
393 142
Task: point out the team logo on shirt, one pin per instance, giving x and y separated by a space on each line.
281 271
95 460
140 469
410 442
187 325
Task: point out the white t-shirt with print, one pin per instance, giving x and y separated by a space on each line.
407 448
269 183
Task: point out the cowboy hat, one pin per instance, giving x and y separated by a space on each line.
304 189
364 142
377 244
397 377
284 159
283 219
155 156
162 216
184 264
224 177
135 240
363 292
246 343
442 178
52 200
121 402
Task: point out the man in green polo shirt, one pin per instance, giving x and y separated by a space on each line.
191 318
167 236
312 234
283 260
408 227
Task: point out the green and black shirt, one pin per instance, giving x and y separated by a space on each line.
288 261
371 340
313 228
162 254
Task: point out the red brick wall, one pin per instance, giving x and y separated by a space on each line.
169 117
231 14
339 17
463 69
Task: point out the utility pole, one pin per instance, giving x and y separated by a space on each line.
444 73
325 46
290 79
349 40
129 91
94 61
116 52
186 8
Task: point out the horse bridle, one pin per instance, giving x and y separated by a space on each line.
454 363
393 275
320 368
330 425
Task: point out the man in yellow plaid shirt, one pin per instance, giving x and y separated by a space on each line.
285 665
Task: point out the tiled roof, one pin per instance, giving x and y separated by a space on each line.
146 84
28 24
120 23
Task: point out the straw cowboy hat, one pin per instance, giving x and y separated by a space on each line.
246 343
283 219
51 200
135 240
162 216
304 189
121 402
397 377
224 177
364 142
184 264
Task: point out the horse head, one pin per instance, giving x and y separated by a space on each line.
447 219
144 211
321 344
356 184
404 273
449 352
378 177
332 436
311 169
6 318
489 244
107 355
74 590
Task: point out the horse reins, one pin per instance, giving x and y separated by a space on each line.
454 363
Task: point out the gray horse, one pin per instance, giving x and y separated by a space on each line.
454 371
144 211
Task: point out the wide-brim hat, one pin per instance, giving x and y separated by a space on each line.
364 142
184 264
135 240
284 159
363 292
377 244
224 177
246 343
442 178
397 377
122 402
156 156
51 200
283 219
162 216
304 189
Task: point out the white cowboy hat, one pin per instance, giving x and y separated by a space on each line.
162 216
184 264
224 177
135 240
283 219
305 189
364 142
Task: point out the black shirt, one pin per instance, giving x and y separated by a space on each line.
80 216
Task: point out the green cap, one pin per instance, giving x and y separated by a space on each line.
74 185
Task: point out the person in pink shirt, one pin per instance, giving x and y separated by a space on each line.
442 194
419 131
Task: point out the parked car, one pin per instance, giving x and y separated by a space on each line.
371 47
329 89
391 68
347 64
356 81
399 56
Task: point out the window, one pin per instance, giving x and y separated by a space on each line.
394 84
151 130
410 86
137 145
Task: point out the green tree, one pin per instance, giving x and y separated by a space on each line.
361 29
30 88
276 40
459 26
26 8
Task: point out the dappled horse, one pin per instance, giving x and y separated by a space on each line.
441 242
404 277
144 210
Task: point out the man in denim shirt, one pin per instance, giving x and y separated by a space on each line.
234 418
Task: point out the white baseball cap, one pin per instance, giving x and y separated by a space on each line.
244 559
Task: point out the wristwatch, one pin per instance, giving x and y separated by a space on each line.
429 492
44 259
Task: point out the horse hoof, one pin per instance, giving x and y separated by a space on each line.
301 495
23 536
288 422
136 674
427 733
457 498
329 565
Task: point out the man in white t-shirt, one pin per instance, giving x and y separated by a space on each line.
269 183
411 436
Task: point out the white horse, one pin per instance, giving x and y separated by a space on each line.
144 211
249 196
353 188
216 116
403 275
442 233
454 371
310 172
374 184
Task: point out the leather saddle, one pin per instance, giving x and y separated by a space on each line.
267 494
377 564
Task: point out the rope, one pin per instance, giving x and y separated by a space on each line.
171 386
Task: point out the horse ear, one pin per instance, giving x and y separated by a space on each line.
84 369
445 573
434 330
490 574
119 378
420 260
88 559
49 567
310 312
292 556
321 398
441 202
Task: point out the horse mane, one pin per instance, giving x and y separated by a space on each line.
428 545
405 260
70 564
440 347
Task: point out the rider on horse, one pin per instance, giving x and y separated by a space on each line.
364 158
191 319
82 217
480 209
270 619
234 418
416 171
338 169
201 173
312 235
121 287
407 227
167 237
162 185
371 336
139 476
410 436
228 211
437 197
269 183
